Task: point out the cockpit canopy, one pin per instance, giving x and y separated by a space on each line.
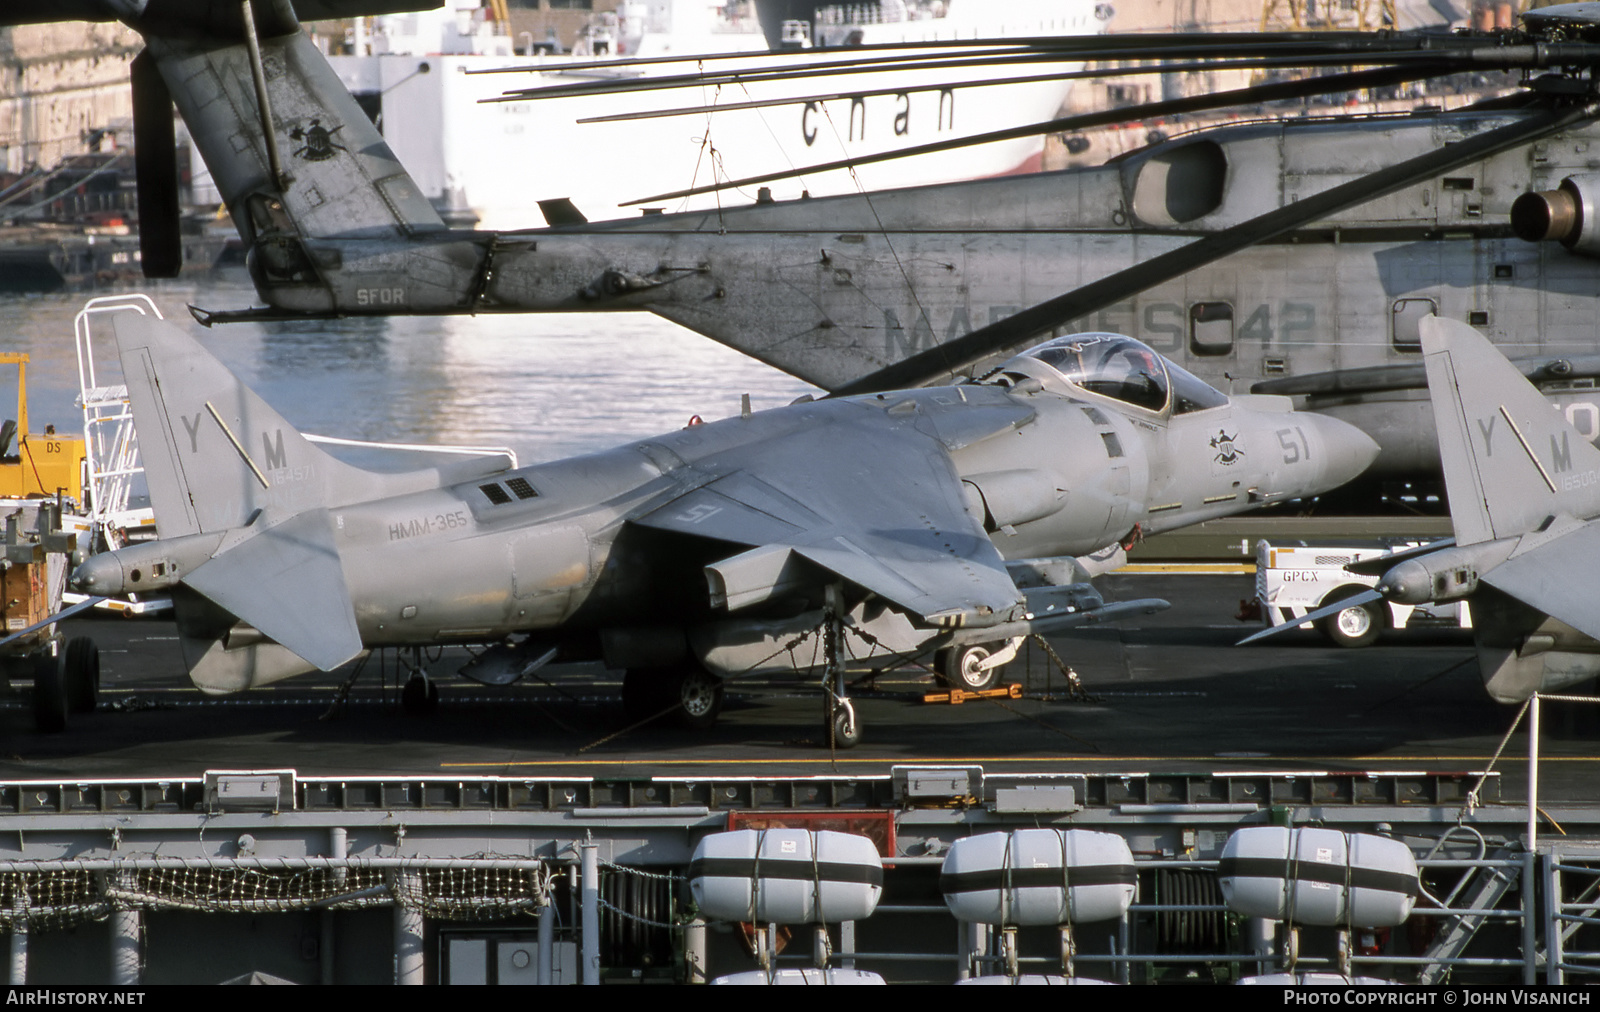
1115 366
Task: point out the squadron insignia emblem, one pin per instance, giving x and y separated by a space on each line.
319 145
1227 452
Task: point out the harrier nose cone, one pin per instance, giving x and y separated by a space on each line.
1410 582
98 576
1346 451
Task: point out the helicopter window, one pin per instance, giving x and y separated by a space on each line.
1404 317
1181 184
1108 364
1191 393
1211 328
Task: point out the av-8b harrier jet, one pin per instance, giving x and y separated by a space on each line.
903 523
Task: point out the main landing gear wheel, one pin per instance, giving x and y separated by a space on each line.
693 695
82 674
1356 626
420 696
699 699
959 667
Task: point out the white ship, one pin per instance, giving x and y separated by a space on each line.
492 162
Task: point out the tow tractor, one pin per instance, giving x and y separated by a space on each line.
1294 580
41 499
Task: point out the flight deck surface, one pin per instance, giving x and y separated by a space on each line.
1166 692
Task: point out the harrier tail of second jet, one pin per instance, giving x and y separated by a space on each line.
1511 464
1524 489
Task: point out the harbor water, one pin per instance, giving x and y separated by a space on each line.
546 386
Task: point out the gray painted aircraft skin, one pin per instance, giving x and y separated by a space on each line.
915 516
833 290
1524 491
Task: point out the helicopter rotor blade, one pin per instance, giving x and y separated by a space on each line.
833 96
945 361
1352 81
1151 45
756 73
39 12
751 61
155 164
1347 49
1148 69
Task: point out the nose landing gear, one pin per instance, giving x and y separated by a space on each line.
840 723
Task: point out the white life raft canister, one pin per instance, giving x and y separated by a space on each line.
1038 877
786 876
1318 876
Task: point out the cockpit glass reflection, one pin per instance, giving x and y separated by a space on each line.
1191 393
1108 364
